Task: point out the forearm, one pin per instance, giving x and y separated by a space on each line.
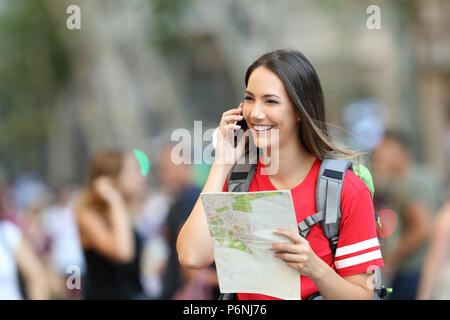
440 237
427 278
411 240
194 244
32 270
121 228
37 282
37 289
333 287
418 225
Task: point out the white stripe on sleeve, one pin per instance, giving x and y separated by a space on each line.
357 247
358 259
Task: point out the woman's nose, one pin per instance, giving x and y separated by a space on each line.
257 113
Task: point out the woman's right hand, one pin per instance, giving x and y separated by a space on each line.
226 153
104 186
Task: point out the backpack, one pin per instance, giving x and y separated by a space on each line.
328 196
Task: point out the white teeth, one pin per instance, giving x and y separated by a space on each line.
263 128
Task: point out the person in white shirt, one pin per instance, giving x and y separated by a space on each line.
16 254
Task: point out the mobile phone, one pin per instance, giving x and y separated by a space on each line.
243 124
244 127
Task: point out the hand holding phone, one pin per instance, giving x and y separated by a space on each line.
242 123
227 137
244 127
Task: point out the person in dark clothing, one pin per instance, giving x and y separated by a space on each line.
110 244
412 191
106 279
177 215
178 282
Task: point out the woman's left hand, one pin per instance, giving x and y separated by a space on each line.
298 255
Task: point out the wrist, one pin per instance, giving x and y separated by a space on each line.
222 169
320 271
115 200
216 178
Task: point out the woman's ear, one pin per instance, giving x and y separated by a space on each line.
298 118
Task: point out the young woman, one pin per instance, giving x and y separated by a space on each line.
110 243
283 92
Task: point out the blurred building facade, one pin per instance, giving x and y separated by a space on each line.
139 69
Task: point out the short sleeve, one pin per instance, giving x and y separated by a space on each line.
358 249
12 234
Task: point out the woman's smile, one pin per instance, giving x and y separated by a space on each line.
262 129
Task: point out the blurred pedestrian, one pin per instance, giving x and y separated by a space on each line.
179 282
17 256
31 197
65 249
109 240
152 230
411 191
155 248
435 278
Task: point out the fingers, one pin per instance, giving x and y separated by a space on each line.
286 247
290 257
231 126
231 118
289 252
103 182
235 111
293 265
292 235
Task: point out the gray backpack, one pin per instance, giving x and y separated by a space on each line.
328 205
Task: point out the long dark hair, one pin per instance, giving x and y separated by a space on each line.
304 89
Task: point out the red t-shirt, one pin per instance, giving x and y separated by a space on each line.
358 249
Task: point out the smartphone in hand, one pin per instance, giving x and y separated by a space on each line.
244 127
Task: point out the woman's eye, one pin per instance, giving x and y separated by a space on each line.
272 101
248 98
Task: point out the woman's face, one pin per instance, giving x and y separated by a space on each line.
268 110
130 181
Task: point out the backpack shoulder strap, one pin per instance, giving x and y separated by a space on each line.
328 200
242 173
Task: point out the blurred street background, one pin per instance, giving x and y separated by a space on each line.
137 70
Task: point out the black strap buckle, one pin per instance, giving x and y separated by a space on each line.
383 291
333 244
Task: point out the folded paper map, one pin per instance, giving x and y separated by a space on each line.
241 226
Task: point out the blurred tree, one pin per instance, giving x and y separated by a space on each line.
165 31
33 68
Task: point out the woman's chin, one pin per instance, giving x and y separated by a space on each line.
262 143
266 141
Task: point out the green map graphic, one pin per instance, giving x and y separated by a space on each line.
241 227
228 227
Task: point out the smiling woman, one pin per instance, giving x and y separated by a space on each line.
283 97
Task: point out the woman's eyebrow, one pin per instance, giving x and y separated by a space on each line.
264 96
